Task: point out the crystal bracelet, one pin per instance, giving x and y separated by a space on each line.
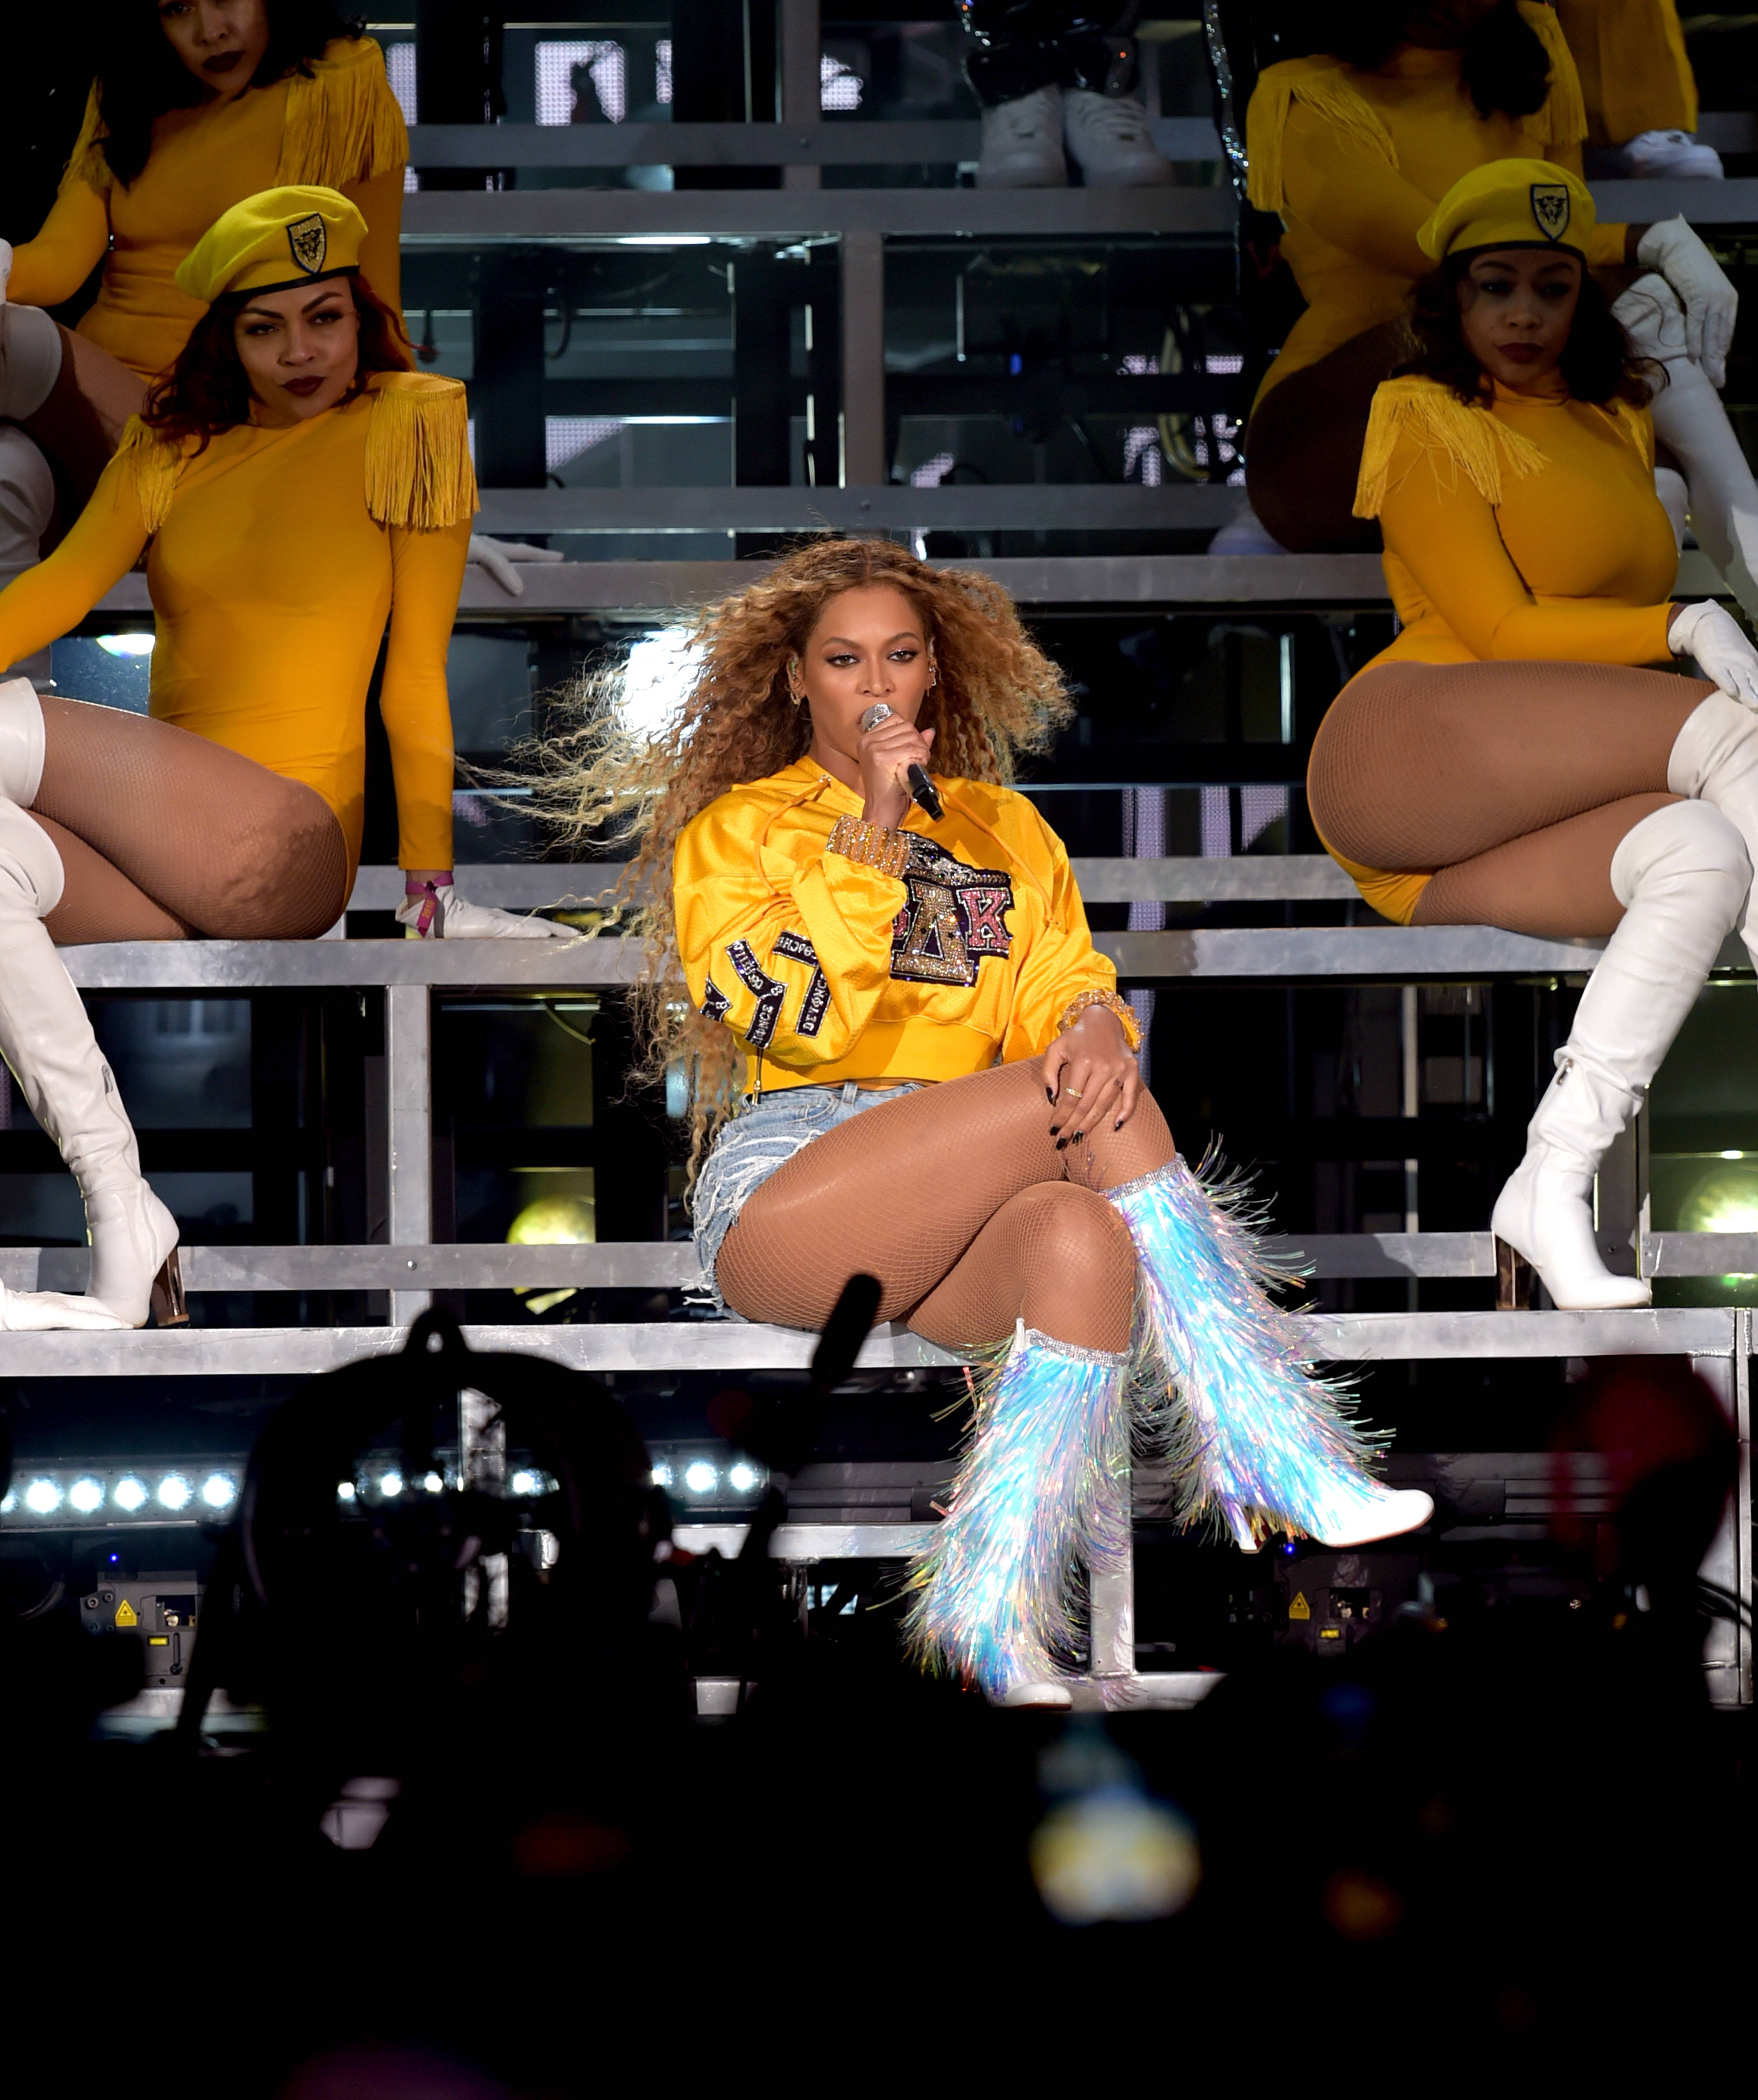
872 846
1083 1003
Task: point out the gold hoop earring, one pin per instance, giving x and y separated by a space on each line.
794 692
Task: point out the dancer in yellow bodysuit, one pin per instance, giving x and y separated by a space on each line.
1510 760
298 488
1354 148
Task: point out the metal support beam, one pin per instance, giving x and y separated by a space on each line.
409 1065
1728 1567
864 461
802 45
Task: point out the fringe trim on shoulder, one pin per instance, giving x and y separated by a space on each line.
1469 440
1633 423
418 471
1323 85
343 125
153 466
1562 118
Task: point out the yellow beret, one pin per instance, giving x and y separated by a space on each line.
273 241
1510 203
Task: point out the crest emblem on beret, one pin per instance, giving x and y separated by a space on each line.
310 243
1550 208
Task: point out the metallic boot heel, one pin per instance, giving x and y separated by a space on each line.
169 1308
1514 1280
1240 1524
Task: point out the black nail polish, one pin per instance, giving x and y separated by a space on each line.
1050 1093
1061 1143
1117 1126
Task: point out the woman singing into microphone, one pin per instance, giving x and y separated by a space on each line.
910 1061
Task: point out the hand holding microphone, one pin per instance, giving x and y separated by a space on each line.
893 766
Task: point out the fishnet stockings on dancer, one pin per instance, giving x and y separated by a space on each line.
164 835
1517 781
958 1199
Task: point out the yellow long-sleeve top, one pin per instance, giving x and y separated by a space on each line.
1356 163
1527 528
1634 75
277 558
1521 529
829 970
341 128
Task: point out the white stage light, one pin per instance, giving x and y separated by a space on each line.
743 1478
219 1491
700 1477
42 1497
524 1484
87 1495
175 1492
433 1483
390 1484
344 1491
130 1493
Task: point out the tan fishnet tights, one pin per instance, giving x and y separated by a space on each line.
1517 781
164 835
957 1200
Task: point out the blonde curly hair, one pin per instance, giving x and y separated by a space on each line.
998 697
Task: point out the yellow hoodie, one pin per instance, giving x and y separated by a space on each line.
829 970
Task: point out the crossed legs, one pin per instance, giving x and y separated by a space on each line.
959 1201
163 835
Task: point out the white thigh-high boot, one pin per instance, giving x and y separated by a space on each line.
27 505
21 742
1714 760
46 1037
1682 876
30 359
1691 422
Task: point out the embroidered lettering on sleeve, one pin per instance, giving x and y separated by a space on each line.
769 993
812 1008
715 1002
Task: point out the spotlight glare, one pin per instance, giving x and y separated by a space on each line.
8 1503
743 1477
175 1492
344 1491
87 1495
42 1497
390 1484
662 1476
433 1483
219 1491
523 1483
127 644
700 1477
130 1493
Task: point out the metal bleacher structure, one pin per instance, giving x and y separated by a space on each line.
864 229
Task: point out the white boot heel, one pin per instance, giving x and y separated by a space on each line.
1544 1215
1356 1512
134 1267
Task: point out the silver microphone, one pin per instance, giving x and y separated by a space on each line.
925 794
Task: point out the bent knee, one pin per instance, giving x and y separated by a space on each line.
1069 1229
1690 843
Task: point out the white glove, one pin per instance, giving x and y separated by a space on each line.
498 556
1710 634
449 917
1710 302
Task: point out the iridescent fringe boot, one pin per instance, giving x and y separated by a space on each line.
1037 1495
1254 1437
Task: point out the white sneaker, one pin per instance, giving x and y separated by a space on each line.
1108 135
1245 535
1657 155
1022 143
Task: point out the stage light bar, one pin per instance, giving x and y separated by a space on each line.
86 1494
709 1479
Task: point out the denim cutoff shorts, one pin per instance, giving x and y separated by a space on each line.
765 1133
